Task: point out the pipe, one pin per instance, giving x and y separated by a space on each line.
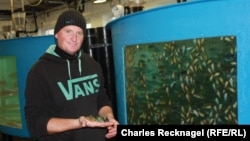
27 32
79 5
36 26
22 3
36 4
11 6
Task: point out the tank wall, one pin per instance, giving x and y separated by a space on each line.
25 52
190 20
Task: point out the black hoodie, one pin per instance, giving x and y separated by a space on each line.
66 86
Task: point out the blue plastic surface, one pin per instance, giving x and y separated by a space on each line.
196 19
27 51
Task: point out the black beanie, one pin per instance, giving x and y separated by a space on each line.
70 17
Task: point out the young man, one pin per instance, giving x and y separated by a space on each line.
65 89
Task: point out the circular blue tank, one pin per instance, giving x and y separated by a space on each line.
16 58
198 21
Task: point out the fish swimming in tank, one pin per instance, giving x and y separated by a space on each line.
189 81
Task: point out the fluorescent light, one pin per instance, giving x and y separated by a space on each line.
99 1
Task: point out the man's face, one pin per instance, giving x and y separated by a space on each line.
70 38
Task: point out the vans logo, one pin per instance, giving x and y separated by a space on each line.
82 86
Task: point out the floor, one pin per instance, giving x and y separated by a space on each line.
10 138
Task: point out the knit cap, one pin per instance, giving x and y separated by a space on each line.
70 17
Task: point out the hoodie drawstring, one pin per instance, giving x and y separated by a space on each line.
68 64
79 67
80 63
51 50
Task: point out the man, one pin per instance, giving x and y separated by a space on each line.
65 95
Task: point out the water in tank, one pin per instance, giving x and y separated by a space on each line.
182 82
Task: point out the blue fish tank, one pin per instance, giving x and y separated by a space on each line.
16 58
184 63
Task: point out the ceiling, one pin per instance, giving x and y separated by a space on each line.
31 6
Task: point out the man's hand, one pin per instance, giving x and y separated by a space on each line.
112 129
91 121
